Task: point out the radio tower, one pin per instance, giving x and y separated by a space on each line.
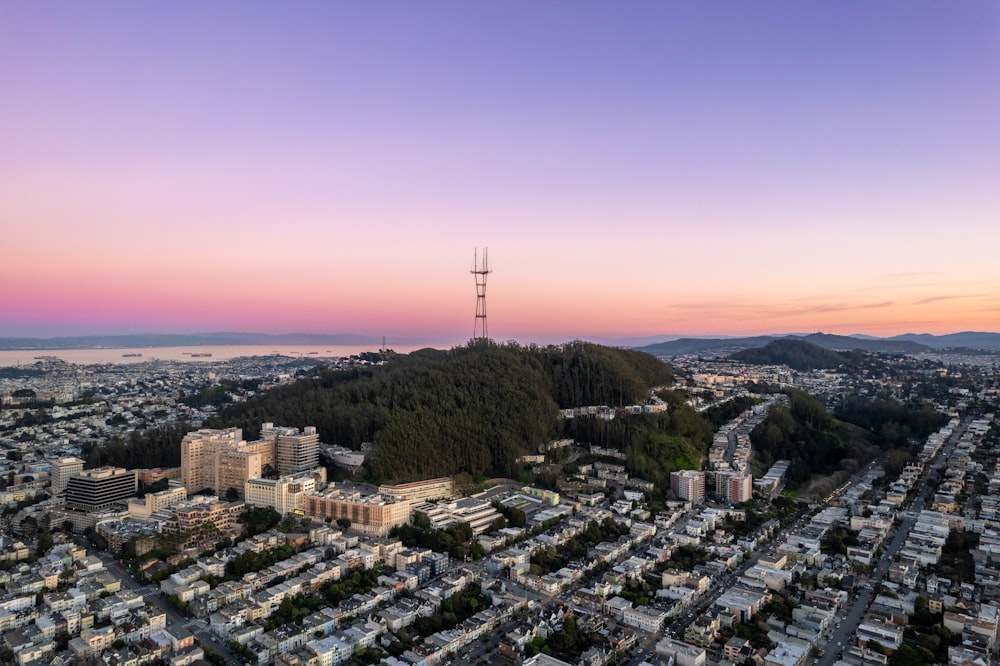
480 271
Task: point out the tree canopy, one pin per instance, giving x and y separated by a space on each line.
471 409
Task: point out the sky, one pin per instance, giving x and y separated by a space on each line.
636 169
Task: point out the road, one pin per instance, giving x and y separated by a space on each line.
842 635
174 617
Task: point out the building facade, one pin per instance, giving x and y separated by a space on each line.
285 495
374 515
734 486
60 471
153 502
191 514
419 491
688 485
218 460
102 488
294 451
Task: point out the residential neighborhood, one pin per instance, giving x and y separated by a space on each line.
268 550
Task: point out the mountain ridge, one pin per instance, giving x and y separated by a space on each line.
909 343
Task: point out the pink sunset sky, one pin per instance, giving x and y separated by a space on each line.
653 168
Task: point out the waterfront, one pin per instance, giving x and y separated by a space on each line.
187 353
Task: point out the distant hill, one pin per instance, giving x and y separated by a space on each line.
702 345
796 354
849 343
824 340
967 339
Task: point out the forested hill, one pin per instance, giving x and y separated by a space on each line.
796 354
472 409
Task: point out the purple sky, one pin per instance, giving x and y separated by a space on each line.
655 167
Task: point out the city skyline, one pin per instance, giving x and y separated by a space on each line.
673 169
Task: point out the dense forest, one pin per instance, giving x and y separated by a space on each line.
818 444
721 414
472 409
156 447
654 444
893 422
796 354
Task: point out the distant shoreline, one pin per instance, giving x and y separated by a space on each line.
187 354
151 340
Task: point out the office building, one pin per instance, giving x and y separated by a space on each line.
102 488
61 469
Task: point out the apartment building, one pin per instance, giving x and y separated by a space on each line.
193 513
734 486
688 485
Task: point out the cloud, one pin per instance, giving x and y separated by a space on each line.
910 275
742 310
948 297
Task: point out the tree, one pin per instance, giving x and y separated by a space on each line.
44 544
232 494
29 527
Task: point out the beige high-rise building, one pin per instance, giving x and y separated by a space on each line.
294 451
60 471
688 484
266 450
218 460
198 452
733 486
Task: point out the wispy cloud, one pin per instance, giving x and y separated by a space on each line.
948 297
746 311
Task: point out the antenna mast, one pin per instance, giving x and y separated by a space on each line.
480 272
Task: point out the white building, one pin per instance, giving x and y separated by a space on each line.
286 494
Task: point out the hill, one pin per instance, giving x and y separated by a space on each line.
824 340
966 339
796 354
815 443
851 343
472 409
684 346
825 449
